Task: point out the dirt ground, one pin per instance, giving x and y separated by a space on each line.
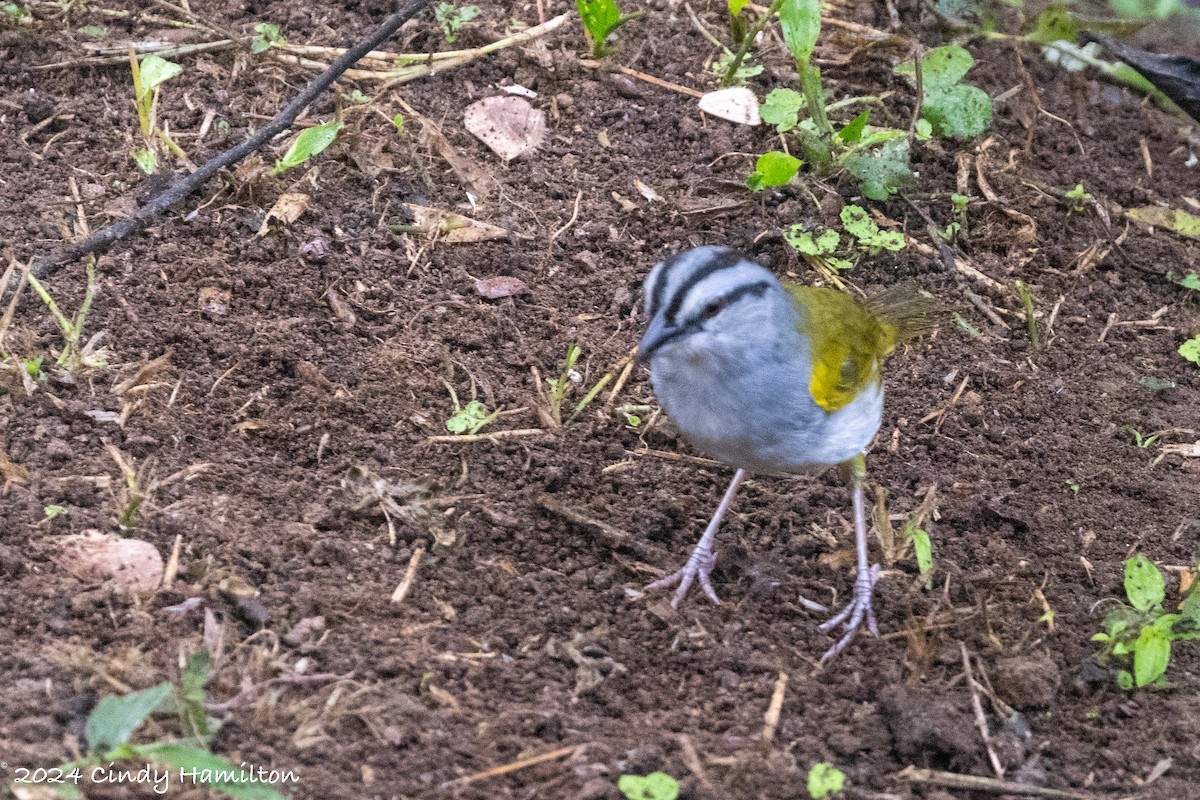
308 362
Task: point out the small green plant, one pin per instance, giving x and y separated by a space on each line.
655 786
1073 485
952 107
971 330
870 236
1189 281
54 511
149 75
1078 197
452 18
1191 350
825 780
1143 442
94 31
33 367
560 387
922 551
357 97
398 123
266 36
111 727
817 248
75 354
1030 320
1137 636
307 144
601 18
468 419
773 169
14 12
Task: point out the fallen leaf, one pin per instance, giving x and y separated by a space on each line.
287 209
1186 450
735 105
97 557
510 126
647 192
1181 222
499 286
453 228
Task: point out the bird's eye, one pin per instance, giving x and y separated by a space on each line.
713 308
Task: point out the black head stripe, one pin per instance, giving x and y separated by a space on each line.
659 290
722 259
757 289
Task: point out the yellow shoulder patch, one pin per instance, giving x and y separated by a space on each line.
848 344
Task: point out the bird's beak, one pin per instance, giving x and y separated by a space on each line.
655 335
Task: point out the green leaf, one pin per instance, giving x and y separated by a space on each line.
191 696
54 511
156 71
923 550
854 129
807 243
923 131
655 786
1124 680
1189 281
1151 655
941 67
800 21
309 143
398 121
146 160
958 112
858 222
452 19
1191 349
773 169
209 769
469 419
736 6
115 718
825 780
1181 222
1055 24
882 172
268 34
599 18
781 108
1144 585
94 31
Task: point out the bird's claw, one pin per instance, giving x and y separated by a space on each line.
699 565
854 613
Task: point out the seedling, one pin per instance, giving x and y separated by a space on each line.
15 13
1078 197
1189 281
1139 634
148 76
33 367
971 330
1073 485
398 123
922 551
561 386
1030 321
655 786
601 18
112 724
1191 350
307 144
773 169
452 19
825 780
266 36
1143 442
94 31
468 419
54 511
74 354
952 107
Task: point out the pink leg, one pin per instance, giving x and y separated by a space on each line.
701 561
864 582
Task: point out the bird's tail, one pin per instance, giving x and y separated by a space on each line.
907 310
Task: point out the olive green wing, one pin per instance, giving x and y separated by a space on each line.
848 343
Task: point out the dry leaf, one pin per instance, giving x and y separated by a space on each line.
96 557
500 286
1186 450
287 209
647 192
510 126
453 228
736 105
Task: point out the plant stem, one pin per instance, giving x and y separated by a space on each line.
814 95
747 41
1030 322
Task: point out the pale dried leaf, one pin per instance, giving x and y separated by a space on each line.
499 286
736 105
287 209
647 192
510 126
1186 450
453 228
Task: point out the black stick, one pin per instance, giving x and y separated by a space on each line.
101 239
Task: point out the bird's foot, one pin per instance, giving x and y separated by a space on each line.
854 613
699 565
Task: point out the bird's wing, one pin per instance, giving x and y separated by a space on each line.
848 343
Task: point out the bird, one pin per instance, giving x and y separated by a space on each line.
772 377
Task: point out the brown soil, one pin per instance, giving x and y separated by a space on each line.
519 636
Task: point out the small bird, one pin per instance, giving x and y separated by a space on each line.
772 377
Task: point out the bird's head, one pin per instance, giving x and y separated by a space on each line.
708 302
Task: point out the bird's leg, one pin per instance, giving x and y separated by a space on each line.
702 559
866 575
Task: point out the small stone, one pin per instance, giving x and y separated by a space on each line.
59 450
